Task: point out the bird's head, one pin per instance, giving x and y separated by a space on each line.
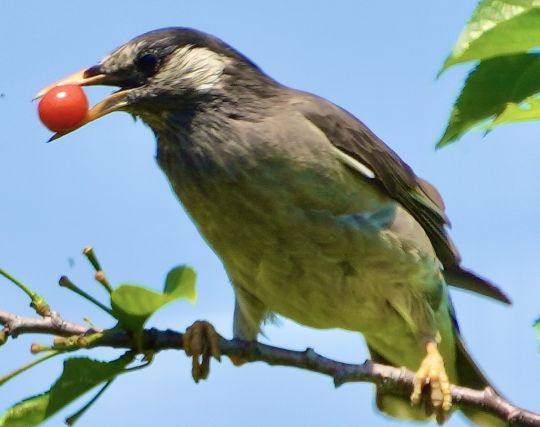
170 69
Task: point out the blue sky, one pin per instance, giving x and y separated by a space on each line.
101 186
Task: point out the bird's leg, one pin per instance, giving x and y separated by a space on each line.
249 313
432 372
201 342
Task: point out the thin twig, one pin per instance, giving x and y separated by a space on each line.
397 381
38 303
65 282
15 325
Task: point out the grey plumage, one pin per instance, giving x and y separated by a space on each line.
313 216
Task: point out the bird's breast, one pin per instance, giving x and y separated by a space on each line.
293 225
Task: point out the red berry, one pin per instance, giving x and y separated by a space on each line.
63 108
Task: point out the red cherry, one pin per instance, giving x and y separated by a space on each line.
63 108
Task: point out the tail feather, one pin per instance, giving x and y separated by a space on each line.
465 279
470 375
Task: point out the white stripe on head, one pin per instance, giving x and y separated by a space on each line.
196 68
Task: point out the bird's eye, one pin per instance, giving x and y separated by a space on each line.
147 63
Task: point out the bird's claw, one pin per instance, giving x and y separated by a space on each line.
201 342
432 372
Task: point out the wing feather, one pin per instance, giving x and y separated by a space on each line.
386 169
392 174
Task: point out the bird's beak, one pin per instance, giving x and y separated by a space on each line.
90 77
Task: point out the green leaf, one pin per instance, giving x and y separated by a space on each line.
133 305
529 109
27 413
180 283
498 27
490 87
79 376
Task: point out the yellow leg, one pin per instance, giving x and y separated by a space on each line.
201 341
432 372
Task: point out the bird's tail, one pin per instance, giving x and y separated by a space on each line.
460 277
469 375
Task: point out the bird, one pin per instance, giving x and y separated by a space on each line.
313 216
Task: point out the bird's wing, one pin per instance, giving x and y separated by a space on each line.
394 176
376 161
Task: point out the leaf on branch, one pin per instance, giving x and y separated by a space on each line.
529 109
79 376
488 90
133 305
180 283
27 413
498 27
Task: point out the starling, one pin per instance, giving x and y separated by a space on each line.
313 216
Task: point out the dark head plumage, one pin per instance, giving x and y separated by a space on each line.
173 55
183 36
173 69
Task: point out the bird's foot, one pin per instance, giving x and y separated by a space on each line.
432 372
201 342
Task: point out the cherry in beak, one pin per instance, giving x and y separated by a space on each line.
90 77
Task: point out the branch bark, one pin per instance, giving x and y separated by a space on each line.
398 381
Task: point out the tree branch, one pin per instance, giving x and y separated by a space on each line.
393 380
53 324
